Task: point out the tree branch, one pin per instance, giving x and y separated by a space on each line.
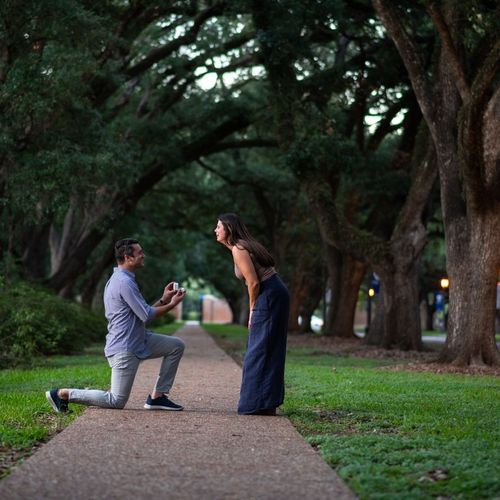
480 186
384 128
186 75
337 231
418 196
244 143
410 54
124 201
448 50
224 177
164 51
492 147
483 82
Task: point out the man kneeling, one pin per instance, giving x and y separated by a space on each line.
128 342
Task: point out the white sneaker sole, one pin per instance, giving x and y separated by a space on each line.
156 407
52 402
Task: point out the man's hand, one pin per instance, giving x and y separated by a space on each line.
168 293
169 298
177 297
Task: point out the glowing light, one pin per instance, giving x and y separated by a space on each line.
445 283
371 292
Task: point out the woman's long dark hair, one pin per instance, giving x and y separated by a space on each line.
239 235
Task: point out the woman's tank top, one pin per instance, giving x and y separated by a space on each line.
263 273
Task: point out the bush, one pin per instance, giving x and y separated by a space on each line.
36 322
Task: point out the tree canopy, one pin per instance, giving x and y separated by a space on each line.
338 130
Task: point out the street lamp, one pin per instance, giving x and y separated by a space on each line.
371 293
445 283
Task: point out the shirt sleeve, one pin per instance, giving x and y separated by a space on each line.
133 297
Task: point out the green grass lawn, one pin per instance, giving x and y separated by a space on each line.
392 434
389 434
26 418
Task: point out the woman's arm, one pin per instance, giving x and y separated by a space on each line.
244 262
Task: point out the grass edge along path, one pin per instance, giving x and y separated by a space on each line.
391 434
26 419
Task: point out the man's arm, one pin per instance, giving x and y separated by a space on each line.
167 303
132 296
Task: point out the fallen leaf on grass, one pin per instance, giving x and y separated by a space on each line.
438 474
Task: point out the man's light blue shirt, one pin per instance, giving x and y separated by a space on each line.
127 313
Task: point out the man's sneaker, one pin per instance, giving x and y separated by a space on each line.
161 403
59 405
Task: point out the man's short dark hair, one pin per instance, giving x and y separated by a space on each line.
124 247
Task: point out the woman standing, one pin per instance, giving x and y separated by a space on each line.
263 386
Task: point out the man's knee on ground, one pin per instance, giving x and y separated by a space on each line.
118 402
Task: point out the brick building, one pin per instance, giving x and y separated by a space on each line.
215 310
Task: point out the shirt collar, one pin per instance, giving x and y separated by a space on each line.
124 271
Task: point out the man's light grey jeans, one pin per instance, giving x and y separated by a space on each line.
124 367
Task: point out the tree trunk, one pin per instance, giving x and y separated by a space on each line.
352 274
297 293
462 117
399 293
313 291
92 282
76 262
375 333
334 267
396 260
473 285
235 308
35 256
304 298
305 324
235 303
471 214
429 310
307 285
62 240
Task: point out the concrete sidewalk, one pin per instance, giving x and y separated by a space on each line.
206 451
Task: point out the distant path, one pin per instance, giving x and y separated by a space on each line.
206 451
430 339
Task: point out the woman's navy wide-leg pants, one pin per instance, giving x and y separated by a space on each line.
263 382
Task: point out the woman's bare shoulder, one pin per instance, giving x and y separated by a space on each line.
239 248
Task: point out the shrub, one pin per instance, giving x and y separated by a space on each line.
36 322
